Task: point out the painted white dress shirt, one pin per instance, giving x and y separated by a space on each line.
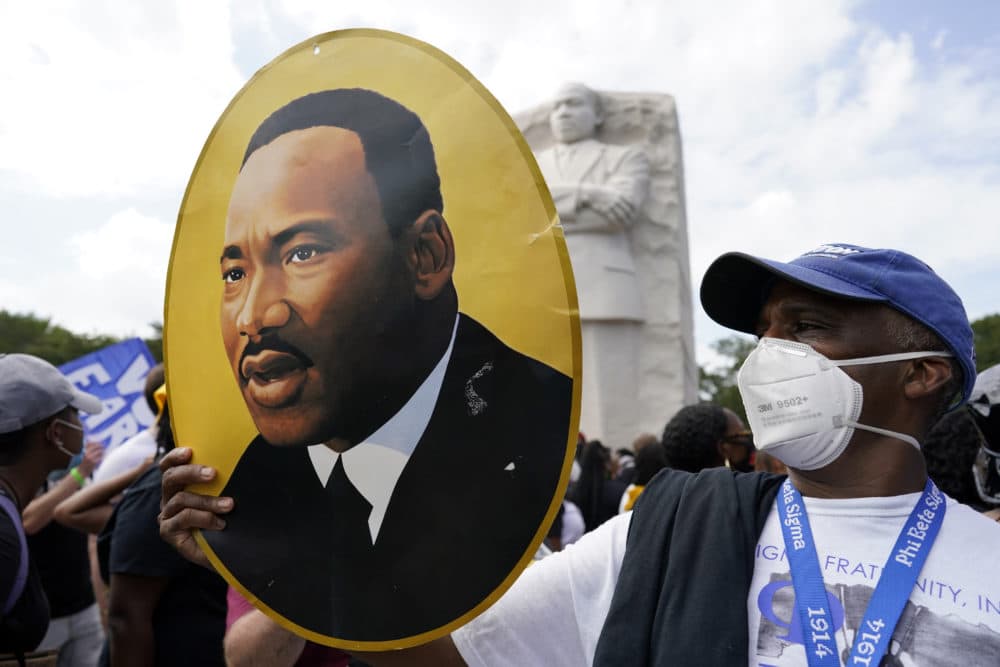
374 465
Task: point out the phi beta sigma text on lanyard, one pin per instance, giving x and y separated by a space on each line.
887 601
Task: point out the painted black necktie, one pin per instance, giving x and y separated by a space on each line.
350 509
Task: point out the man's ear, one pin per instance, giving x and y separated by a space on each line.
926 376
52 430
722 447
432 254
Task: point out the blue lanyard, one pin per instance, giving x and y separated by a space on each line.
891 593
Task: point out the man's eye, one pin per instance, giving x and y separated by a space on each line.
233 275
302 254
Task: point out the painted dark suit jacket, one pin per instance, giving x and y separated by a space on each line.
462 514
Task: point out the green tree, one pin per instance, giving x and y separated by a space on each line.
718 384
986 333
26 333
155 344
22 332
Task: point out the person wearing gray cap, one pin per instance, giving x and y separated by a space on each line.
854 558
40 431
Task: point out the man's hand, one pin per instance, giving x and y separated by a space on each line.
93 452
182 511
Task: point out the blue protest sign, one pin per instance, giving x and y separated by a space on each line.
117 376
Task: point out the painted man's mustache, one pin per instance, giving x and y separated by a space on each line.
271 343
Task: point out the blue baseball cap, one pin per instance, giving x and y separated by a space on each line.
736 284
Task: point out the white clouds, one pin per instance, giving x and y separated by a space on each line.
122 269
108 279
128 245
938 42
111 98
775 210
801 123
894 152
889 67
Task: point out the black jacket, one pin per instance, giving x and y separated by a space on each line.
681 596
462 515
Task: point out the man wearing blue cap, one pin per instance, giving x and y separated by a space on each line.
856 558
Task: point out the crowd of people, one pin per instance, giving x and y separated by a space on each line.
605 483
86 579
850 519
861 352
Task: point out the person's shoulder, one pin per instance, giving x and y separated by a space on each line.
968 541
7 524
670 486
261 460
126 456
142 440
148 482
965 520
714 477
620 153
472 335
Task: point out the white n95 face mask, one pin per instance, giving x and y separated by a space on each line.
801 407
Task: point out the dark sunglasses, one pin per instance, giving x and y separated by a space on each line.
742 438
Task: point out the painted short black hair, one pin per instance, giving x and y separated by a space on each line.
397 146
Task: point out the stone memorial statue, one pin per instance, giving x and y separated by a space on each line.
613 165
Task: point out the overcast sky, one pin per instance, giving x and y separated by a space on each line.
802 123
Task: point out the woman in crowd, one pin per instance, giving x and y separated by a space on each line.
63 561
597 492
649 460
162 609
40 431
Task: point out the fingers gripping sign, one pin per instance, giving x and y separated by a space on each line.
183 512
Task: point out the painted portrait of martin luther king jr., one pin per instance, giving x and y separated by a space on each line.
406 456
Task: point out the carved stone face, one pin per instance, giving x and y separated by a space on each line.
575 114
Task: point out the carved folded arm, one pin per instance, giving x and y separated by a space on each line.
614 205
630 178
566 197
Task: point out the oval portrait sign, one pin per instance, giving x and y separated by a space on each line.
371 331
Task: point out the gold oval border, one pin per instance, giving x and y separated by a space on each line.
567 271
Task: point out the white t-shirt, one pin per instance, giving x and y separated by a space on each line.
554 613
128 455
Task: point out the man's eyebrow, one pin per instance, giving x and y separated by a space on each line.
322 228
231 252
829 308
819 304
